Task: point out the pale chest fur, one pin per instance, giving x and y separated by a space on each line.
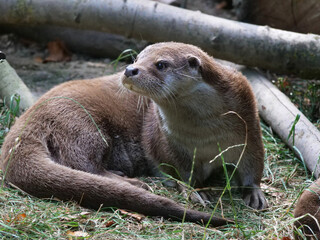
205 150
196 128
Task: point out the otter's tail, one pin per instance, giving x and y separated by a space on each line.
34 172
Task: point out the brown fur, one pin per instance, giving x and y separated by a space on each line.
309 203
201 107
55 149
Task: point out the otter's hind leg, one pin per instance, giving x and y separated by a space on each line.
81 151
86 152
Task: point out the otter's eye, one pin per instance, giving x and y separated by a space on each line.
161 65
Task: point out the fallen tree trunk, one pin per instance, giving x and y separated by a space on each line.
11 84
280 113
264 47
89 42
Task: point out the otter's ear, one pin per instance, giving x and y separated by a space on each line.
194 61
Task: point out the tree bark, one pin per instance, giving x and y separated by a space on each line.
264 47
11 84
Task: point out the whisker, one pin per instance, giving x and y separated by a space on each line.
121 91
167 93
179 68
171 96
122 67
138 103
185 75
142 105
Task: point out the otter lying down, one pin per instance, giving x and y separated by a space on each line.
84 140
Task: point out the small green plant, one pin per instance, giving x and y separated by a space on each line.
304 94
308 102
293 128
8 113
128 53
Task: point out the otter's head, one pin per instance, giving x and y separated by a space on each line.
166 70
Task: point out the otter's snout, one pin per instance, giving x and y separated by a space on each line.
131 71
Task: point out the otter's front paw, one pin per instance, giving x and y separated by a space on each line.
255 198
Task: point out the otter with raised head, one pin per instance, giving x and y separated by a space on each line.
81 136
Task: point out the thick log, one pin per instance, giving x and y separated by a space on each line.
94 43
264 47
11 84
280 113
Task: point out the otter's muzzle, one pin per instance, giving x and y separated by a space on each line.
131 71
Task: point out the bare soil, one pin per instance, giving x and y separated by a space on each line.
24 55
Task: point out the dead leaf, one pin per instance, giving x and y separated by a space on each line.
6 218
58 52
84 213
17 218
221 5
71 217
136 216
38 59
306 101
285 83
21 216
110 223
77 234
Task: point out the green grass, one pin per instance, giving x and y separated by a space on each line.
8 112
126 55
305 94
25 217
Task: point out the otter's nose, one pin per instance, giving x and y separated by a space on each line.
131 71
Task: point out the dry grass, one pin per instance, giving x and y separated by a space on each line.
25 217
